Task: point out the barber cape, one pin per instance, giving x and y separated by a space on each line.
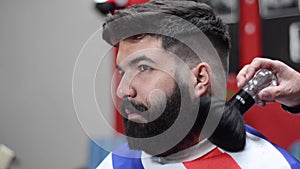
259 153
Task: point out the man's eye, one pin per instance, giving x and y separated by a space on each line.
121 72
143 68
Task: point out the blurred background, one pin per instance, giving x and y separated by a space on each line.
39 45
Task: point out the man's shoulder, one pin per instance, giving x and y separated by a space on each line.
260 152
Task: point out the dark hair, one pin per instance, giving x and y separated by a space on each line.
198 14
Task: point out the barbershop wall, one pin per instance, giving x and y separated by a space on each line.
39 43
275 41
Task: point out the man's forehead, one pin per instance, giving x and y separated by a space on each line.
131 48
156 56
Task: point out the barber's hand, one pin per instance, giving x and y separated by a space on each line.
288 90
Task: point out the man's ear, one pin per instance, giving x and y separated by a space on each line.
202 74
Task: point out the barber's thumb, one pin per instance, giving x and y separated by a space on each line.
269 93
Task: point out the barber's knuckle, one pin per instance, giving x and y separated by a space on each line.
277 62
289 91
256 59
282 92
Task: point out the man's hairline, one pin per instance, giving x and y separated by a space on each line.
168 50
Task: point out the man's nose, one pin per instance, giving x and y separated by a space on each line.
125 89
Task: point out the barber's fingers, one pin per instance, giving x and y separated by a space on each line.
264 63
244 75
248 71
262 103
272 93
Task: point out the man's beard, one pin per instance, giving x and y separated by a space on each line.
176 103
155 127
229 135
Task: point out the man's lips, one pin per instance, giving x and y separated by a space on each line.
135 116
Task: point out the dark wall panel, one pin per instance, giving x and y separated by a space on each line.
276 39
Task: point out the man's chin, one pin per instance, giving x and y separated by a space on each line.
148 146
147 138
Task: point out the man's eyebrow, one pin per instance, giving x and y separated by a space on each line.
139 59
135 61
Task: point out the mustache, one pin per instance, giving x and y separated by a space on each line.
132 106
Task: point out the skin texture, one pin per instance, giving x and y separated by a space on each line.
159 71
141 78
288 90
150 76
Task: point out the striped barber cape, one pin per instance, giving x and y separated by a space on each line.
259 153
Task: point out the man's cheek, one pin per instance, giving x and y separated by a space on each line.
157 104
